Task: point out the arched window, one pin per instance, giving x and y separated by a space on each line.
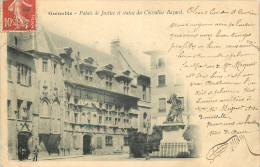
56 110
45 109
145 115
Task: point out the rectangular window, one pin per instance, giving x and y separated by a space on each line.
9 110
109 106
44 65
161 62
19 103
30 77
9 70
24 75
126 121
109 141
144 92
117 107
161 80
126 141
28 110
18 73
115 121
94 119
76 117
162 105
109 82
89 75
126 87
100 119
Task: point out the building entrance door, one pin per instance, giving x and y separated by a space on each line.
87 144
23 148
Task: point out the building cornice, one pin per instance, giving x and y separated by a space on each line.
102 90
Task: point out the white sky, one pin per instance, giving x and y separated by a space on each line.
138 34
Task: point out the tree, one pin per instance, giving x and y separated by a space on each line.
191 134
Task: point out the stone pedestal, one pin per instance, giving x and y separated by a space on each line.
172 135
173 144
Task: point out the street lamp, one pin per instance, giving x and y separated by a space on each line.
148 125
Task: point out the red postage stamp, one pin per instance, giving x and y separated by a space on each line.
19 15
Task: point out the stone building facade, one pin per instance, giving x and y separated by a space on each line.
166 80
69 98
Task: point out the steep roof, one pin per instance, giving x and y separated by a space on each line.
132 62
47 42
86 51
27 41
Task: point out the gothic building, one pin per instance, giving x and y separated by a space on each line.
69 98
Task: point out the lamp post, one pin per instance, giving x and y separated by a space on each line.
148 125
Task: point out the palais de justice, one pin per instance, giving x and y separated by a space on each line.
71 99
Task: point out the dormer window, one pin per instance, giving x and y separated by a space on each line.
44 65
126 109
108 106
126 87
117 107
109 82
144 92
89 75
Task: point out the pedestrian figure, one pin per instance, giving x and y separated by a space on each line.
35 153
23 153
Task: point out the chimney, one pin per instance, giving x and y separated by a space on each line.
115 47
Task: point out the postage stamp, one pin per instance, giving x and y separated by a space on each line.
19 15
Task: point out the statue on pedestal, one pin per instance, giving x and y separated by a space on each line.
175 112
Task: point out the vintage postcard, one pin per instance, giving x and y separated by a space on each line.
135 83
